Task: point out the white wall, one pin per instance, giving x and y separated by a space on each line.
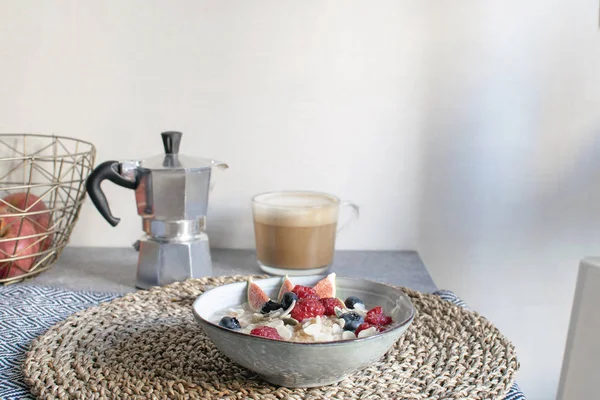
465 129
291 95
511 165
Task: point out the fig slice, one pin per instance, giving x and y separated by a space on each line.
326 287
286 286
256 296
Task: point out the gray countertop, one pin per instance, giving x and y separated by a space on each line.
114 269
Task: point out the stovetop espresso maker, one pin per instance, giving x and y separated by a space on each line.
171 194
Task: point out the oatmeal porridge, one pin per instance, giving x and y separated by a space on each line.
304 314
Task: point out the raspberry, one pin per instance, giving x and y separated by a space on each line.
305 292
307 308
330 303
366 325
362 327
376 317
266 331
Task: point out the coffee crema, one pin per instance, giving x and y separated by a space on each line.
295 231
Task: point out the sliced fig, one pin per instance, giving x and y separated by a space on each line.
326 287
256 296
286 286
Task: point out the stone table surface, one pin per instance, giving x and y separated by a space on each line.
114 269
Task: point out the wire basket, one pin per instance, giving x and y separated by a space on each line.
42 187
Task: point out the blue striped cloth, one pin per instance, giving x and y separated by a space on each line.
25 313
28 311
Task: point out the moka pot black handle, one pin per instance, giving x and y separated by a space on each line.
107 170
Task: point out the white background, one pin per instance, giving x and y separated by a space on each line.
466 130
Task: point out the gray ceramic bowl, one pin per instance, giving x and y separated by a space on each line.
295 364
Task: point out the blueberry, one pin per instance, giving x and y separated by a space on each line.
287 299
270 306
351 301
353 320
230 323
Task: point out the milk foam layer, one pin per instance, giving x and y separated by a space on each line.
301 209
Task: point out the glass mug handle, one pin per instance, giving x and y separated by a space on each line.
355 214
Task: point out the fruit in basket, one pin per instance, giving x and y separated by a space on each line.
29 202
24 202
12 228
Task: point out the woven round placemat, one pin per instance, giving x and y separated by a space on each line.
146 345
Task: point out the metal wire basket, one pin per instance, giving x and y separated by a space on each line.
42 187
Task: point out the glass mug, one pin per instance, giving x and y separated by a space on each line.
295 231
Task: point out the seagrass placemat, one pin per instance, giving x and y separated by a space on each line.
146 345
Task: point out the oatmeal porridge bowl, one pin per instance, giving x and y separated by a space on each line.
304 331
